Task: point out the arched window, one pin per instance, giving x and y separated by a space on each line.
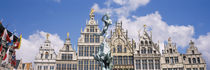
142 43
125 50
87 30
113 50
146 43
46 55
194 60
67 48
143 50
193 52
119 48
198 59
149 50
41 56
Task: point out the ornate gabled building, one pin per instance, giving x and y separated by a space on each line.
146 54
171 59
193 59
67 58
88 45
45 59
121 49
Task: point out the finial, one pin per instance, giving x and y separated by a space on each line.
145 27
48 36
169 39
67 34
92 11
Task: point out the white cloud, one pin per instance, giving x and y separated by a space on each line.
203 44
30 47
160 30
126 6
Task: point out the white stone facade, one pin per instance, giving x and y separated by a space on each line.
45 59
67 58
146 54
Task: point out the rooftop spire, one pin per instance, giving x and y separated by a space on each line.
145 27
47 36
91 14
67 34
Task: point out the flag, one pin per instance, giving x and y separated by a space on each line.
5 57
13 59
5 36
18 43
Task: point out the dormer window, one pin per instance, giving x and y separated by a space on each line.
170 50
142 43
146 43
67 48
91 28
46 55
87 30
193 52
150 42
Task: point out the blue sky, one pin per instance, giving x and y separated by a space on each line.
62 16
28 16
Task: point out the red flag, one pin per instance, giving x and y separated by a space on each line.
1 48
5 57
5 36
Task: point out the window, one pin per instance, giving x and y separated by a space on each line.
45 67
170 50
130 59
46 55
193 52
142 43
194 60
97 38
172 60
144 64
58 66
188 68
176 60
150 50
201 68
198 59
67 48
96 49
51 56
87 30
113 50
86 38
143 50
41 56
125 50
119 59
91 50
51 67
167 59
195 68
86 51
125 60
146 43
91 39
114 60
69 57
80 65
151 66
189 60
80 50
157 64
138 64
91 28
119 48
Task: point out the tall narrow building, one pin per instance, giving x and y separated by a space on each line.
193 59
88 45
121 49
146 54
67 58
45 59
171 59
